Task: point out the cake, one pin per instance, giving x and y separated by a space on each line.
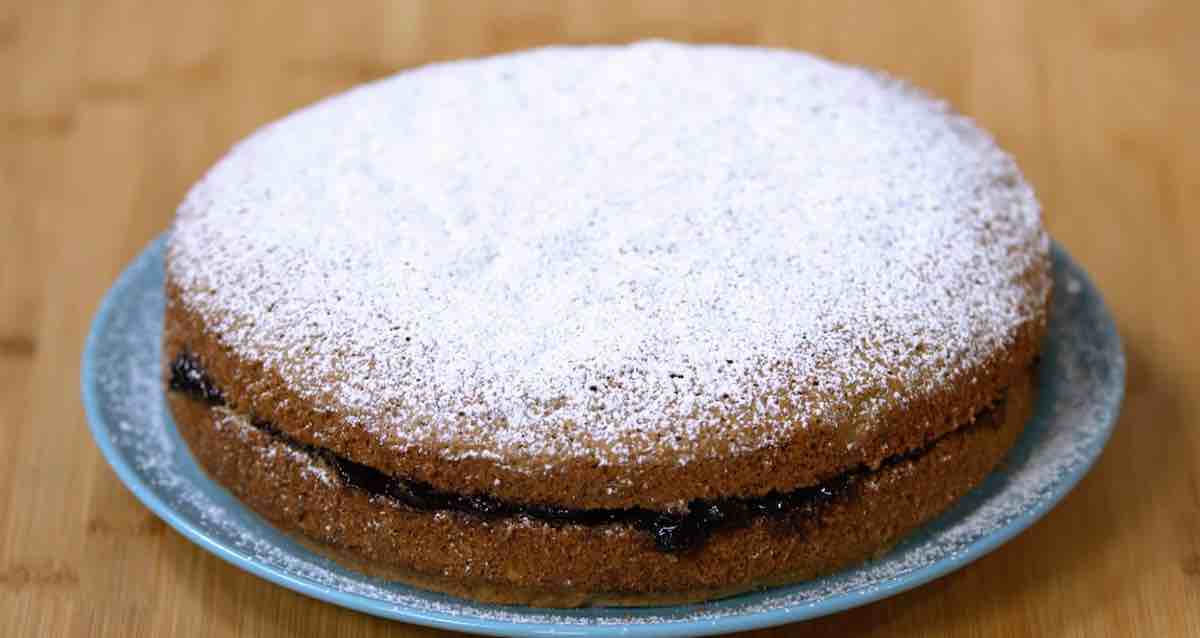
621 325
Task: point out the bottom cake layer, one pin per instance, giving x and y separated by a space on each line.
524 560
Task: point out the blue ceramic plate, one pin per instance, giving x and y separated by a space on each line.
1081 382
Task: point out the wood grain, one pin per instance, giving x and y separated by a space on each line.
109 110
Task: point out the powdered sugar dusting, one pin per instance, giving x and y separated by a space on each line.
603 252
1081 380
310 465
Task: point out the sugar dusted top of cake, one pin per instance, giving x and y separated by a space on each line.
608 252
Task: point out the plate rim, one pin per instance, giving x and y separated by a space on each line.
100 430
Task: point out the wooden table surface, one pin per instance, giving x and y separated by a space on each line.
109 110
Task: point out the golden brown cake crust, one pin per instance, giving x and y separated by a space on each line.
519 560
809 457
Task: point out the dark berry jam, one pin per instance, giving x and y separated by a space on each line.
671 531
189 378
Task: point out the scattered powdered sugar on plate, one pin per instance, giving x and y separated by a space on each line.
605 252
1080 387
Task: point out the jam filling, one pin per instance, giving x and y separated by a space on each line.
671 531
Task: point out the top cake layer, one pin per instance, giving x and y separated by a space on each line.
629 259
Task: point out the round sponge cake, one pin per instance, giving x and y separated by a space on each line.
636 299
